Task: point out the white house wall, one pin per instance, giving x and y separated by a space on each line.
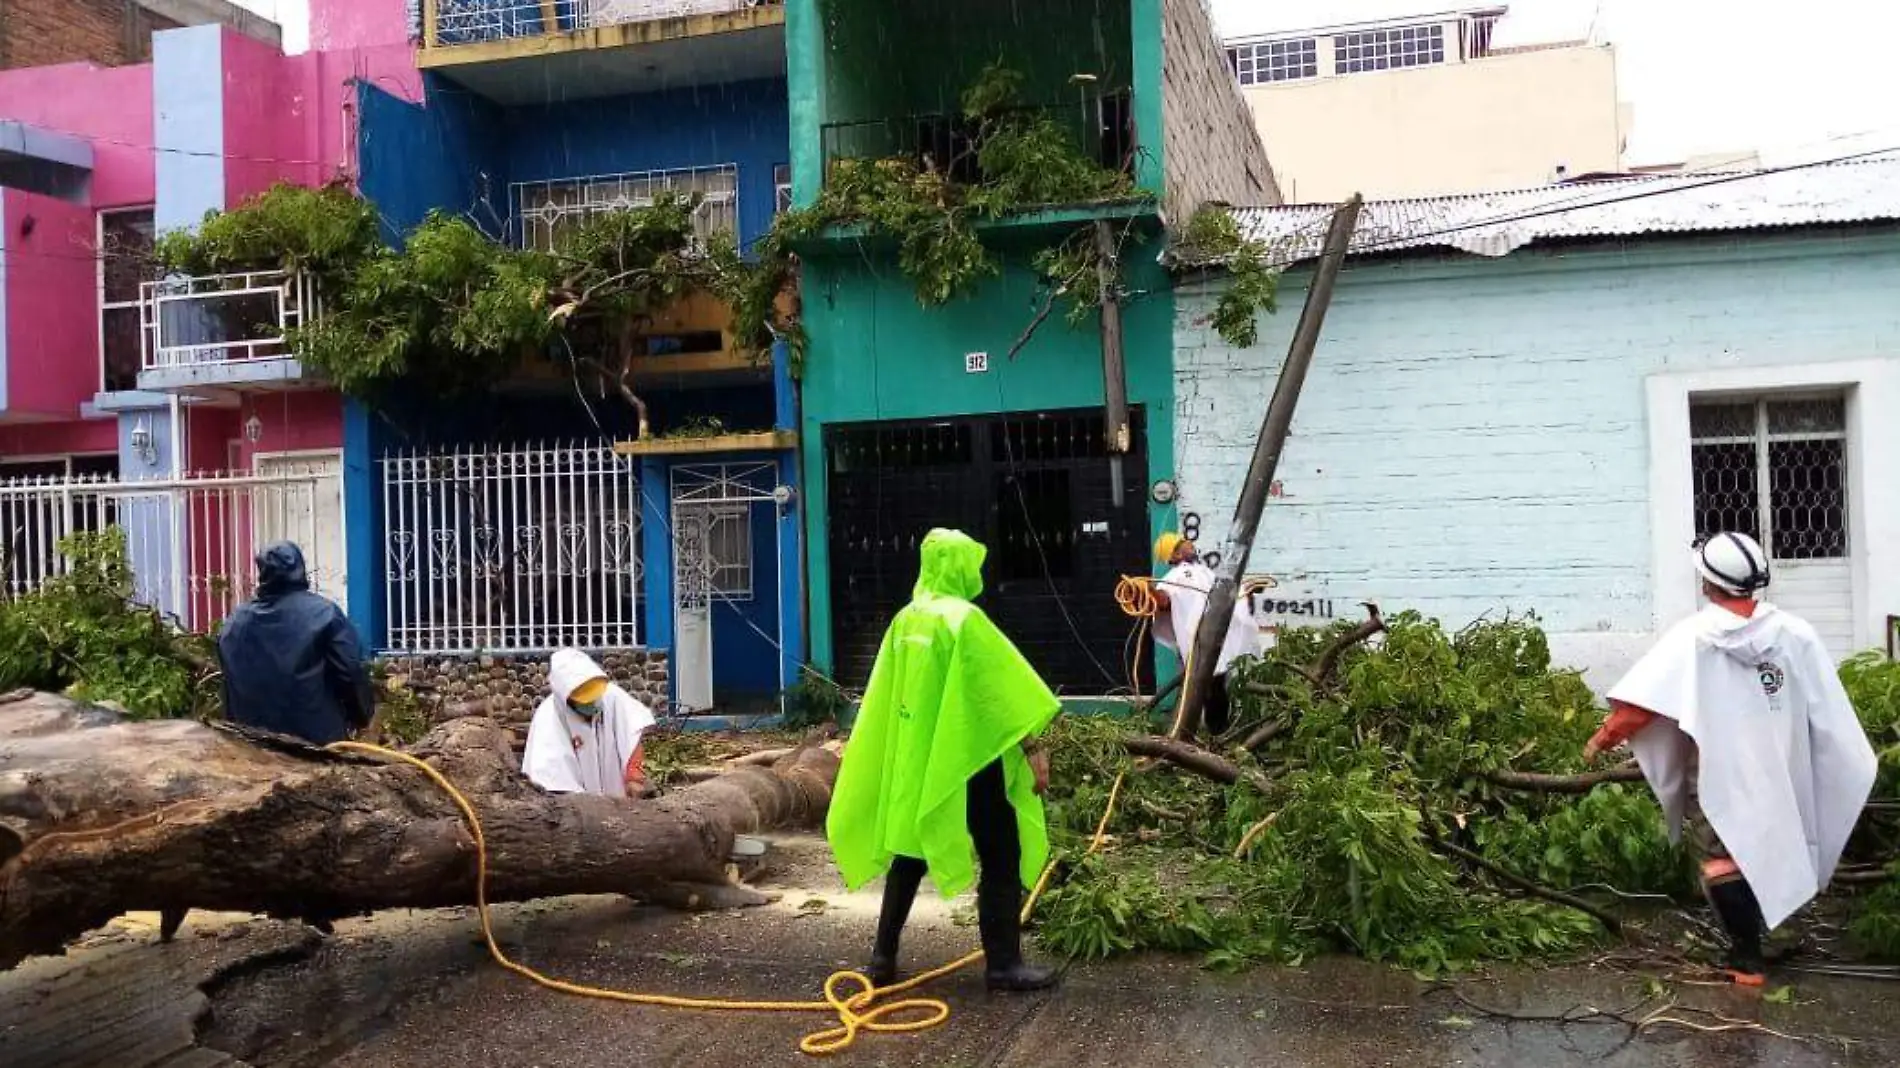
1476 435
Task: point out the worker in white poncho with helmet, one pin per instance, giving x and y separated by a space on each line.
585 737
1181 599
1745 733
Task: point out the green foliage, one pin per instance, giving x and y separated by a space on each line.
1873 685
401 714
451 308
698 426
668 752
328 232
1376 766
1391 755
80 634
1213 235
930 218
814 700
1611 836
455 310
1875 927
1027 160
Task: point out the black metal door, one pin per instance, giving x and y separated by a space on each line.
1036 488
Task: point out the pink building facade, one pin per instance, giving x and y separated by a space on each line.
107 370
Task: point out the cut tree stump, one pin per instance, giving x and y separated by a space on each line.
99 817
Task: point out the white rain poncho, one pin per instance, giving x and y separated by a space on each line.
1187 586
568 753
1753 707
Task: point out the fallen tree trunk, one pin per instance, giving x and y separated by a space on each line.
99 817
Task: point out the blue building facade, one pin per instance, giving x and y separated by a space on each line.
566 529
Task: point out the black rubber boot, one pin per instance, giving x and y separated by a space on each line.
1740 915
900 891
999 902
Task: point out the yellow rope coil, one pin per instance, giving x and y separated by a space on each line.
859 1012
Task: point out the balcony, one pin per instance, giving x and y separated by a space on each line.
511 51
685 345
226 331
543 210
1102 126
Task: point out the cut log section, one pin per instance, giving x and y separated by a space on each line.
99 817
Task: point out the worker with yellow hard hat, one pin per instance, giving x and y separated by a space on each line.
1180 597
585 736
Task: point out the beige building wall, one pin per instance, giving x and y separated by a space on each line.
1504 121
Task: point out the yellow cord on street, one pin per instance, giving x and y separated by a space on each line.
865 1010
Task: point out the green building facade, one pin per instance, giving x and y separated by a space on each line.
916 416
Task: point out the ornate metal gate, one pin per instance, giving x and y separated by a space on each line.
1033 486
516 550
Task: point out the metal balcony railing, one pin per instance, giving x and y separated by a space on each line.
544 210
1102 125
455 22
223 318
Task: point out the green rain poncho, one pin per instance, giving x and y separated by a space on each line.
948 696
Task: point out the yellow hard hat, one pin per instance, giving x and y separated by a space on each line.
588 692
1165 545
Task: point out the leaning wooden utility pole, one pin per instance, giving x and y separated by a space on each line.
1212 632
1116 432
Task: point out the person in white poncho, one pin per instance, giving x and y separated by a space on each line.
1744 732
1180 600
585 736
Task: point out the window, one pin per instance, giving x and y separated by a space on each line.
546 209
729 551
103 465
781 189
125 260
1401 46
1773 469
1275 61
1477 31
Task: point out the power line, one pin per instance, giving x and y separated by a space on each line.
197 153
1583 201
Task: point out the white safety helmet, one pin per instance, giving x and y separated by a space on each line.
1733 562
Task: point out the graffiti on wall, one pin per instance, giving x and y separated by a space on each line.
1274 602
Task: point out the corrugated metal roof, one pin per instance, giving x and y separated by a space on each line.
1495 224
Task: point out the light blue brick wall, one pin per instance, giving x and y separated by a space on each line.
1473 436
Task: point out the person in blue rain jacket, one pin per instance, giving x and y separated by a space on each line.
292 662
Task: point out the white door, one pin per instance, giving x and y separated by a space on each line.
1821 592
692 619
307 508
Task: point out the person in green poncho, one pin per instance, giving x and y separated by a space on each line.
942 766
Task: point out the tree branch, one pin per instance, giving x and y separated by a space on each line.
1048 305
1537 782
1195 759
1322 670
1265 733
1614 925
